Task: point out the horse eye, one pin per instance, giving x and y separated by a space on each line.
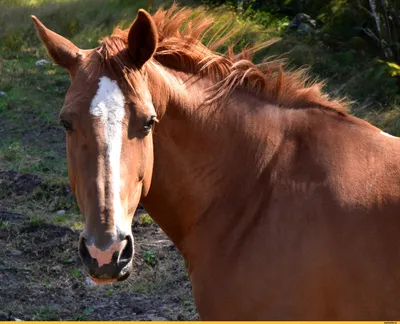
149 124
67 125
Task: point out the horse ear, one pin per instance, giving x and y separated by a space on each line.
142 38
63 52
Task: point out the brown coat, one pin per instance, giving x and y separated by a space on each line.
284 206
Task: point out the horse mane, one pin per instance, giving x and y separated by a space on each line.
180 47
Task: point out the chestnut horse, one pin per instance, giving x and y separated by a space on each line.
284 206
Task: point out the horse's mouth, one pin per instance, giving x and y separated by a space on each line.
105 279
101 281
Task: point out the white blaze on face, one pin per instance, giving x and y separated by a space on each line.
109 105
388 135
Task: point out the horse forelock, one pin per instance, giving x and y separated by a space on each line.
180 47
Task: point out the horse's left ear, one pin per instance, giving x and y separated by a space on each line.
142 38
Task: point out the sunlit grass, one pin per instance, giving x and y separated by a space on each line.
29 3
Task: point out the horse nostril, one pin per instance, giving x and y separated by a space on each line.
84 252
127 252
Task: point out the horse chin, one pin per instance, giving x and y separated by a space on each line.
99 281
102 281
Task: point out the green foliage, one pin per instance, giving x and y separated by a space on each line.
145 219
84 316
393 69
36 220
150 257
265 18
4 225
391 121
46 314
28 3
339 21
76 273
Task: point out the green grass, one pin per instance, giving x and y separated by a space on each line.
150 257
46 314
84 315
28 3
145 219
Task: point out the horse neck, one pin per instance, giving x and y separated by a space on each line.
206 159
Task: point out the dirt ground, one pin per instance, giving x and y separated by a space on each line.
43 278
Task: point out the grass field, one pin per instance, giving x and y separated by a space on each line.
41 276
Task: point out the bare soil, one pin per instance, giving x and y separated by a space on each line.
43 278
12 182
